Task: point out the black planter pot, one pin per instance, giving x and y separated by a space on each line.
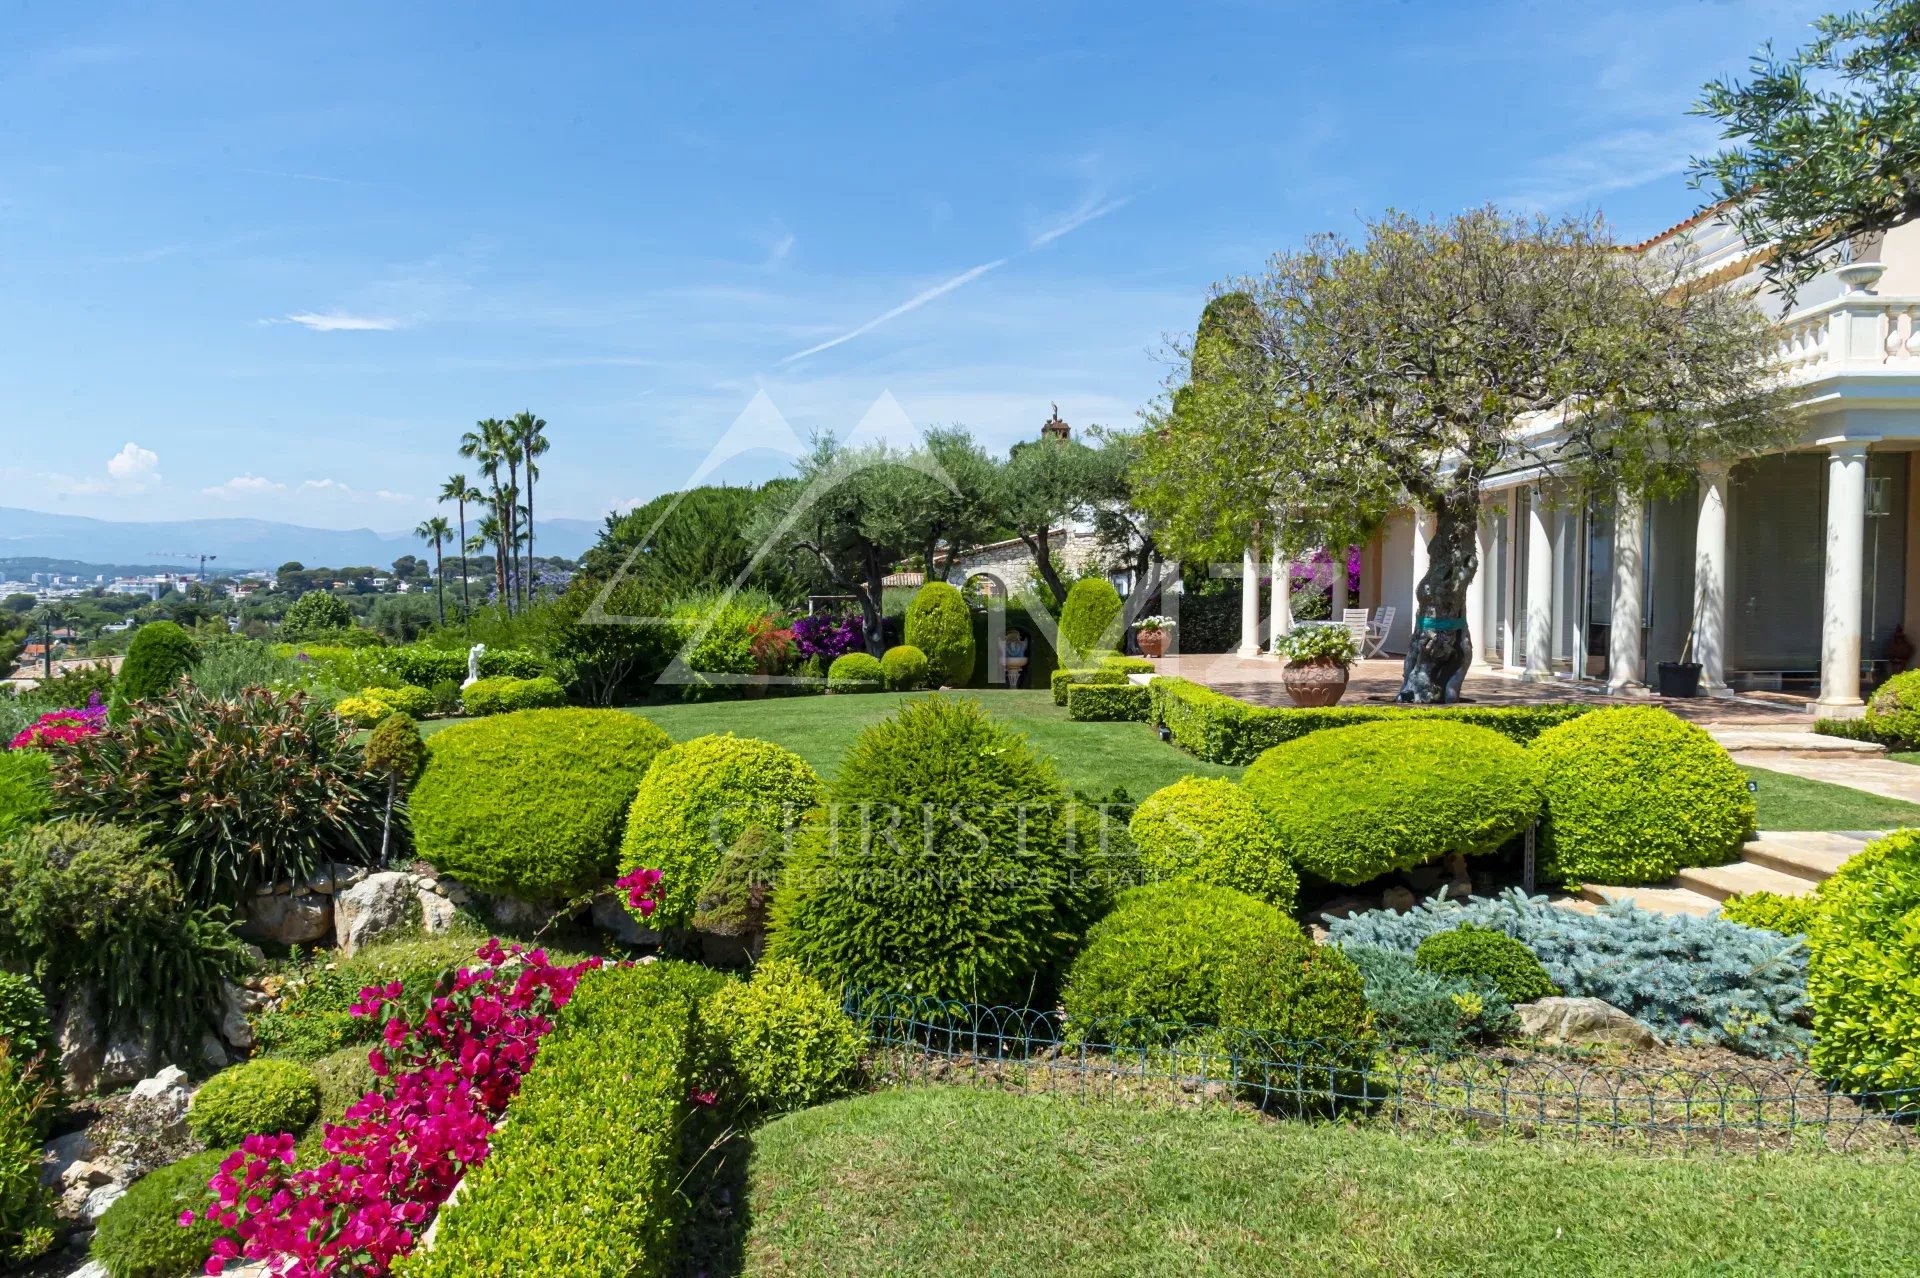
1679 678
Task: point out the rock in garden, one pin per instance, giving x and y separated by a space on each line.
92 1269
1397 899
1345 907
610 916
296 918
66 1151
436 911
511 911
81 1041
150 1129
1582 1020
99 1200
128 1057
377 906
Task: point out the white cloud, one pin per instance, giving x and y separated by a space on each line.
1615 161
385 494
1089 210
339 322
913 303
326 485
244 486
134 464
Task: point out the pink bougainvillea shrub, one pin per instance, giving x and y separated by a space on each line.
57 727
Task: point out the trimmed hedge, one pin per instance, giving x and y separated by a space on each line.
943 870
160 653
1893 711
1206 830
904 668
1787 915
786 1043
1090 618
1107 701
1635 794
504 695
855 672
140 1235
1481 955
263 1097
1863 950
26 789
700 796
1127 665
1222 729
370 705
939 624
1352 805
531 804
1061 680
583 1179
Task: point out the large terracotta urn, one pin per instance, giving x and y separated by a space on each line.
1153 643
1320 682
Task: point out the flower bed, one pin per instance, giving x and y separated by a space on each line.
58 727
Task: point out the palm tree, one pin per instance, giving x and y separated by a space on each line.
486 444
492 530
435 530
456 489
529 432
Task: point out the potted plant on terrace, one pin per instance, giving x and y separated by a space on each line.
1317 658
1152 633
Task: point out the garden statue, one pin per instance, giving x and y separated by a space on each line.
473 663
1013 658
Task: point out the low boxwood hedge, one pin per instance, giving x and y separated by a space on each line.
140 1236
530 804
583 1179
1634 794
504 695
1893 711
1480 954
1061 680
263 1097
1354 804
1098 701
1221 729
784 1041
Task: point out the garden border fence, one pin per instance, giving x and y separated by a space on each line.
1526 1091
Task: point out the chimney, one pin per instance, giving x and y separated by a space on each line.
1054 428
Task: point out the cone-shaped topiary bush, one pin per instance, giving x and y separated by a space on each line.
855 672
1351 804
160 653
1090 619
1635 794
697 798
940 624
940 865
1863 950
904 667
1480 954
1206 829
530 804
259 1098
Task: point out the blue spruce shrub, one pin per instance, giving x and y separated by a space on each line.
1421 1009
1694 981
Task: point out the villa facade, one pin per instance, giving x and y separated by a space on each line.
1788 571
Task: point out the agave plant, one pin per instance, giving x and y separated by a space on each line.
235 791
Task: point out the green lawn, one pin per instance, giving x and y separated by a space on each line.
1796 803
962 1182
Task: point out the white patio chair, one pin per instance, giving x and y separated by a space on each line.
1377 630
1355 619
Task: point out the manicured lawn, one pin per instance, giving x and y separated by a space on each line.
1796 803
955 1181
1093 757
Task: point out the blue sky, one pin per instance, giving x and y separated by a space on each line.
272 260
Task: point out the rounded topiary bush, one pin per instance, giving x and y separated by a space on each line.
941 866
1477 954
904 667
1351 804
700 796
1636 794
1206 829
395 749
855 672
160 653
1163 960
1893 712
531 804
1863 949
786 1042
26 789
940 625
140 1235
262 1097
1089 620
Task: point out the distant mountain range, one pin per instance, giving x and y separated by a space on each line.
239 543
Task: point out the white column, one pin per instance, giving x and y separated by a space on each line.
1539 597
1510 627
1710 581
1250 601
1337 600
1477 628
1626 663
1280 619
1846 555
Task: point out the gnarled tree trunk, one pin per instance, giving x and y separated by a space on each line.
1440 648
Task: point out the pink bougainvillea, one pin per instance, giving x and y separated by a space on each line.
642 888
56 727
450 1066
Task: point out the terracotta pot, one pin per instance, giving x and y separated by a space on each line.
1321 682
1153 643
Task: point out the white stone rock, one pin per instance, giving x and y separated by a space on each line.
81 1040
1582 1020
377 906
509 911
454 890
299 918
163 1085
66 1151
92 1269
236 1001
99 1200
436 912
128 1057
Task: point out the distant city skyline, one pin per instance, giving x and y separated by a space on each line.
270 263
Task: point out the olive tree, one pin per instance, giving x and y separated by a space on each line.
1417 363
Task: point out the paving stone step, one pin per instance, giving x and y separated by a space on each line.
1723 881
1811 855
1660 900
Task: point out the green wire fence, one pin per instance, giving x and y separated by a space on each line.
1587 1094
